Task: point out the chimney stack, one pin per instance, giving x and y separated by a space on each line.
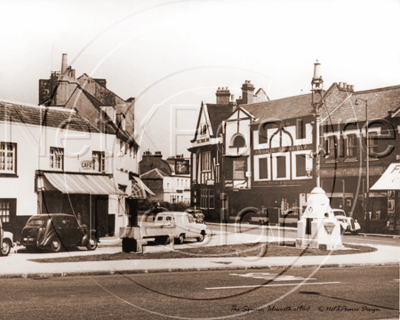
247 92
223 95
64 63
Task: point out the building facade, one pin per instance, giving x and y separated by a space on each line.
350 155
207 148
49 164
80 153
169 179
263 158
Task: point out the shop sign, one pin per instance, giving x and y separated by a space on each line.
86 164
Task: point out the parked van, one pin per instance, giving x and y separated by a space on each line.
180 225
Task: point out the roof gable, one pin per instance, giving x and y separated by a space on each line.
153 174
218 113
100 92
210 118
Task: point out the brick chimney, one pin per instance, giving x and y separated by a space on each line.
64 64
223 95
247 92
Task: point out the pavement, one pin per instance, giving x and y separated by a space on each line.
19 264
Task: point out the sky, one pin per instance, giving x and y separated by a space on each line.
172 55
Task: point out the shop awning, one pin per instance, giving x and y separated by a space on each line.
82 183
390 180
139 189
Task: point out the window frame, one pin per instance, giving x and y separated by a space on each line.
5 151
274 168
235 162
53 158
101 161
373 145
354 148
308 164
257 168
205 167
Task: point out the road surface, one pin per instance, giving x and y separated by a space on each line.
327 293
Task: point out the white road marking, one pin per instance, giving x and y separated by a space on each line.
269 276
362 241
271 285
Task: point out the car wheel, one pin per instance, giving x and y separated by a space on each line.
5 250
355 232
201 237
180 239
92 244
55 245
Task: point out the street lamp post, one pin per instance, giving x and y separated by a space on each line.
316 94
366 199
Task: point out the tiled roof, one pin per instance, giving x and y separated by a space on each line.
103 94
218 113
44 116
285 108
153 174
380 101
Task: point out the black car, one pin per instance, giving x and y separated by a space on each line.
56 231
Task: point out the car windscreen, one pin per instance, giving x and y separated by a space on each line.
339 213
36 222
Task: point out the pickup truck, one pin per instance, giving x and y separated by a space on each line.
179 225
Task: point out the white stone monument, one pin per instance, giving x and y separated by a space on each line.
318 227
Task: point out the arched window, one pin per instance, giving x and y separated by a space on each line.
238 141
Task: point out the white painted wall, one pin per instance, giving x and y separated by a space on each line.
33 150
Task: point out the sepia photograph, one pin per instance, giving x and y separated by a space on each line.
199 159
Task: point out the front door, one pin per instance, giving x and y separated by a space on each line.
101 215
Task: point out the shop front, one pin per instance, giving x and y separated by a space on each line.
384 214
85 196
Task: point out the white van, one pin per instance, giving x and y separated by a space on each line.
180 225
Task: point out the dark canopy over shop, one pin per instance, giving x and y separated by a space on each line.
71 183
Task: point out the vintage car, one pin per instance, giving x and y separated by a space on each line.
6 241
179 225
347 224
56 231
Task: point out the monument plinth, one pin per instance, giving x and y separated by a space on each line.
318 227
